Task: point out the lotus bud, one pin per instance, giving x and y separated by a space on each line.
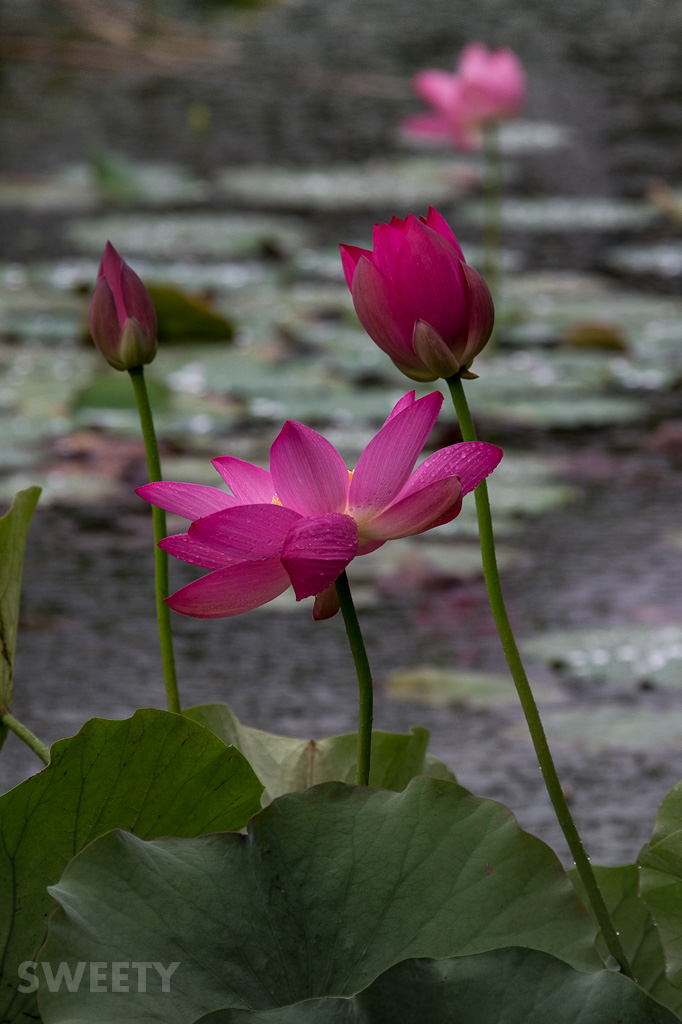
418 298
122 319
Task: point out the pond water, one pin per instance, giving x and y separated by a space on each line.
88 648
309 82
590 530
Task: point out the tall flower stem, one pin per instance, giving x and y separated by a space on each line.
492 208
357 646
25 734
530 710
160 556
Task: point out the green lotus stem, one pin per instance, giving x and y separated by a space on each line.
530 710
25 734
357 646
160 556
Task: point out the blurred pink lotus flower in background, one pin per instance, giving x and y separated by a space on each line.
487 86
122 320
417 297
301 523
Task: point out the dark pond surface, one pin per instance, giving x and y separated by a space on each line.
89 648
321 83
310 82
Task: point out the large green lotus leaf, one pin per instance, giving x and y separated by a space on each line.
638 933
661 880
505 986
625 655
154 774
285 764
329 888
14 527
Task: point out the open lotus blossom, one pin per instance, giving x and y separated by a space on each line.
487 86
122 319
417 297
300 523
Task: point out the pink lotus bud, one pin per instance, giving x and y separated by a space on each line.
417 297
487 86
493 83
122 318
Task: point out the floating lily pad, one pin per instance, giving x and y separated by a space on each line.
61 488
80 274
214 235
347 349
625 655
437 687
71 189
608 728
658 260
522 485
117 177
403 182
547 287
532 373
565 413
183 318
517 137
650 324
40 381
415 562
567 214
114 391
31 313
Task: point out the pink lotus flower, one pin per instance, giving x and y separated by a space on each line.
301 523
487 86
417 297
122 318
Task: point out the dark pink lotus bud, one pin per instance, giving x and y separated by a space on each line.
122 318
417 297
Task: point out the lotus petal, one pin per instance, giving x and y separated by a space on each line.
308 473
